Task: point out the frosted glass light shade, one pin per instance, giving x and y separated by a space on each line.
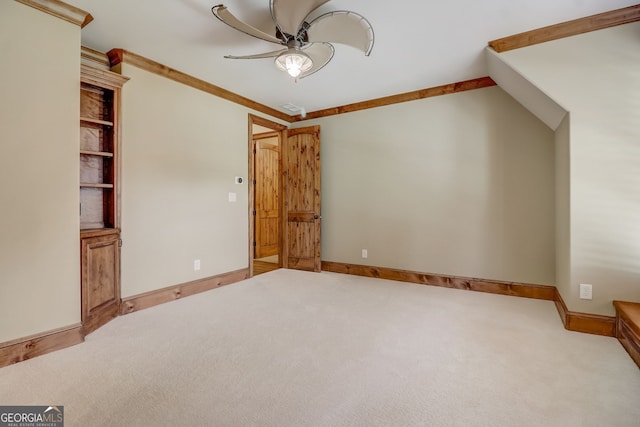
294 62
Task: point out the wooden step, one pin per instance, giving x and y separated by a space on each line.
628 327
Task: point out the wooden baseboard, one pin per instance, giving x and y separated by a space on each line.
101 316
573 321
36 345
29 347
543 292
584 322
171 293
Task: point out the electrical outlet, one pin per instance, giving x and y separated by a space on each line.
364 253
586 291
196 265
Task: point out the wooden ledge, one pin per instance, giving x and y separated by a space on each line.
628 327
98 232
630 312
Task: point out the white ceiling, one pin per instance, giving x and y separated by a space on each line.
418 44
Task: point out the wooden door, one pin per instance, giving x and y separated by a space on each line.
100 277
267 165
301 161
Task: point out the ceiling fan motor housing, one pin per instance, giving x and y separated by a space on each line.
302 35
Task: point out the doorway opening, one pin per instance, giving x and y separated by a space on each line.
265 195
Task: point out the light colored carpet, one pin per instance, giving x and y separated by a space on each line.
290 348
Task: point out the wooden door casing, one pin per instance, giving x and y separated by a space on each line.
301 160
267 197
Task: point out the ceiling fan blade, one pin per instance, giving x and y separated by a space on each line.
342 27
320 54
222 13
258 55
289 14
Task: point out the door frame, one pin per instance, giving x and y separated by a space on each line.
281 130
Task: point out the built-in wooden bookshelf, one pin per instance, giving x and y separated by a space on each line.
98 163
99 195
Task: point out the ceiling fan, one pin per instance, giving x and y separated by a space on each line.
307 43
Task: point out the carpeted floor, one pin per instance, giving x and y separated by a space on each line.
290 348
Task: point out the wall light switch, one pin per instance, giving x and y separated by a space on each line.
364 253
196 264
586 291
233 197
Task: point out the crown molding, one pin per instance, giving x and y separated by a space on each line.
117 56
61 10
403 97
102 77
567 29
94 58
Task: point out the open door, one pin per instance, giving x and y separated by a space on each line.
267 194
301 221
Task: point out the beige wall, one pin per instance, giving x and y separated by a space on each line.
182 149
596 76
563 207
460 184
39 243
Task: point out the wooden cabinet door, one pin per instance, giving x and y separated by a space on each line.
100 277
267 165
302 168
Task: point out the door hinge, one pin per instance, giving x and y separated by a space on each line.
254 213
119 243
254 244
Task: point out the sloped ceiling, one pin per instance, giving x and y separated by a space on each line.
418 44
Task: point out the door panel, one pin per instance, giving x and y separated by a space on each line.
302 168
267 158
100 277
